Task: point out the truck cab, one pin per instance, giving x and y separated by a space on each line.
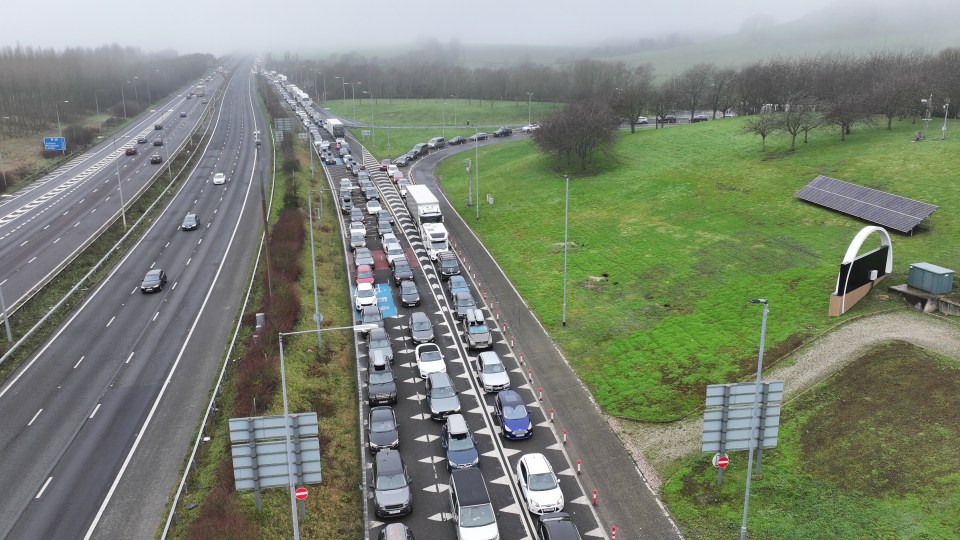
435 239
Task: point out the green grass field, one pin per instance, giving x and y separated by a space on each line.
846 466
675 231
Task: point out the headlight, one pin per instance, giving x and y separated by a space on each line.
506 427
529 425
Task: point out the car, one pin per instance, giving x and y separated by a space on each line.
447 264
204 101
158 126
358 239
370 315
141 140
370 193
378 343
394 252
389 238
491 372
364 274
356 214
409 295
395 531
183 114
530 127
729 115
365 295
412 155
158 142
668 119
442 397
458 444
373 206
463 303
422 149
557 526
384 227
156 158
475 330
512 415
456 140
429 359
402 186
539 486
132 151
219 178
365 183
643 120
383 432
401 161
346 207
153 281
503 132
471 511
346 183
421 329
699 118
456 285
392 495
385 215
397 177
357 227
479 136
190 222
344 152
384 164
401 270
363 257
355 168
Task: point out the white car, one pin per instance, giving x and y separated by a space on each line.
402 186
219 178
539 487
389 238
373 206
643 120
365 296
394 252
530 127
357 227
429 359
391 170
491 372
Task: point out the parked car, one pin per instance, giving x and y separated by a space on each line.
389 238
421 329
364 274
391 169
530 127
382 429
190 222
491 372
454 141
395 531
699 118
358 227
402 161
401 271
409 295
362 256
385 214
429 359
370 315
503 132
668 119
539 486
458 444
132 151
378 342
153 281
391 485
384 227
402 186
512 415
479 136
557 526
436 143
358 239
394 252
365 295
356 214
441 396
643 120
373 206
370 193
470 507
412 155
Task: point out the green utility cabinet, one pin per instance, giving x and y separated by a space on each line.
930 278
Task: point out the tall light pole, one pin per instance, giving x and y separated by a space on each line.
946 108
324 86
476 172
373 122
353 97
316 86
345 83
566 223
2 171
313 266
136 95
529 97
454 109
123 100
754 416
97 103
263 206
149 99
60 129
123 208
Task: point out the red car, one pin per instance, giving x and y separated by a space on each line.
132 151
384 164
364 274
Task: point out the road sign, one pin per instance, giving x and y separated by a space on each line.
721 461
301 493
54 143
728 421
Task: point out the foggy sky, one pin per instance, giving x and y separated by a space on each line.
321 28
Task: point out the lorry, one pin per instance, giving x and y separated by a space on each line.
335 128
425 211
199 90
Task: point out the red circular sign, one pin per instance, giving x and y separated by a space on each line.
301 494
722 462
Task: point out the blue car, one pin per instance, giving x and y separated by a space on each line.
458 443
515 422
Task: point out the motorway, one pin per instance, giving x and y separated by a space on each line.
113 391
44 225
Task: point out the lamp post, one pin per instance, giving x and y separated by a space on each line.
263 205
345 83
926 116
946 109
373 122
149 99
123 101
60 129
2 171
454 109
353 97
313 266
476 171
136 95
529 97
316 87
97 103
116 161
324 86
566 222
754 416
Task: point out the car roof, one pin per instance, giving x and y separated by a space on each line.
407 283
381 412
510 397
154 272
490 357
457 424
364 268
419 315
364 285
389 461
440 377
471 490
536 463
375 333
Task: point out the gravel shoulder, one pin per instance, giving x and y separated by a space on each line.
654 446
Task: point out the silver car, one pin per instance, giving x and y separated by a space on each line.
379 340
421 329
491 372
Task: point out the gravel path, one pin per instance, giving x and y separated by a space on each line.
655 445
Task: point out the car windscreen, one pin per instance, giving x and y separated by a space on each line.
541 482
381 377
477 516
382 425
460 442
391 481
442 392
514 412
478 328
493 367
421 325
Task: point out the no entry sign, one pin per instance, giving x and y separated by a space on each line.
301 493
719 460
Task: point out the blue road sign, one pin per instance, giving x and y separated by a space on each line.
54 143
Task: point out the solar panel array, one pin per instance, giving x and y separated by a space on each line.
890 211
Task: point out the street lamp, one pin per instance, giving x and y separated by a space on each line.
946 108
373 122
123 100
345 83
566 223
97 103
136 95
454 109
263 206
754 415
59 129
116 161
2 171
353 97
149 99
529 97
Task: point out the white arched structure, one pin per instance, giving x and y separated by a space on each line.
851 256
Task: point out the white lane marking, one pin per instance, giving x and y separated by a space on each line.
47 227
165 245
31 260
75 224
129 357
45 484
154 263
24 243
94 210
57 240
188 261
78 362
157 314
34 418
174 285
111 321
95 409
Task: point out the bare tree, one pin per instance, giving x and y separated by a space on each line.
719 96
799 114
762 125
692 86
578 131
631 101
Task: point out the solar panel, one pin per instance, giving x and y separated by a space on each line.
884 209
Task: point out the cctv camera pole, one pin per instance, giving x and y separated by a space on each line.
123 210
566 222
313 266
286 430
754 417
266 230
476 173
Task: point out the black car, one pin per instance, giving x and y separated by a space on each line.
456 285
557 526
381 383
421 149
183 114
668 119
371 315
699 118
153 281
409 295
156 158
463 303
421 329
447 264
346 206
503 132
412 155
401 271
158 126
401 161
479 136
391 486
456 140
190 222
141 140
382 429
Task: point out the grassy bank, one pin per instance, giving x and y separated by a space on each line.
673 233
